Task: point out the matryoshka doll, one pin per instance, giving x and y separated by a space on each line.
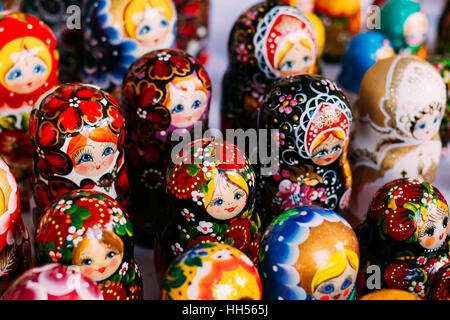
211 189
212 271
405 235
15 250
193 28
313 120
363 51
268 41
29 67
92 231
118 32
64 19
342 21
78 133
440 286
400 107
309 253
165 91
406 26
53 281
442 64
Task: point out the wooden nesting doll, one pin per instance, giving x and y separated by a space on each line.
406 25
268 41
64 19
309 253
166 91
90 230
118 32
53 281
401 104
212 271
442 65
405 235
78 133
193 27
363 51
211 189
29 67
313 120
342 21
15 250
440 286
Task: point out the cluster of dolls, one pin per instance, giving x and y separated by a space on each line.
95 128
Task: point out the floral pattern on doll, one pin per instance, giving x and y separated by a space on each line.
219 182
90 230
414 214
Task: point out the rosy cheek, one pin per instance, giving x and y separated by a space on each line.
87 271
198 113
108 160
177 119
217 211
325 297
114 262
346 292
429 242
84 168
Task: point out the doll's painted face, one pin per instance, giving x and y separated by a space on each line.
98 259
426 124
298 59
435 230
94 158
228 199
416 27
27 74
337 288
152 26
328 150
188 102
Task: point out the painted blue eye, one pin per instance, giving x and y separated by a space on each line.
178 108
436 120
237 196
144 30
14 74
164 22
219 202
423 126
86 157
196 104
306 59
336 149
288 66
110 255
39 68
87 262
346 284
108 151
321 154
328 289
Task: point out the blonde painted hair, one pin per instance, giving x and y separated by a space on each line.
287 45
220 181
137 6
17 46
335 266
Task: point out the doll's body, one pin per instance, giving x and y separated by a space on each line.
396 133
